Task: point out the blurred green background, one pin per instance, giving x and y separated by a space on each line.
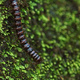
52 27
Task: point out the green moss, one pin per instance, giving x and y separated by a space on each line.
52 27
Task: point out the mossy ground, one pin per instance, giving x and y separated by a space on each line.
52 27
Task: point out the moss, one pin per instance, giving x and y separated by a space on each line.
53 30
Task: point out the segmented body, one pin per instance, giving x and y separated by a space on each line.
21 35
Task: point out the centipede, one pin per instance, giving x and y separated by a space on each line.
20 33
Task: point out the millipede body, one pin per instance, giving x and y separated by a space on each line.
20 33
